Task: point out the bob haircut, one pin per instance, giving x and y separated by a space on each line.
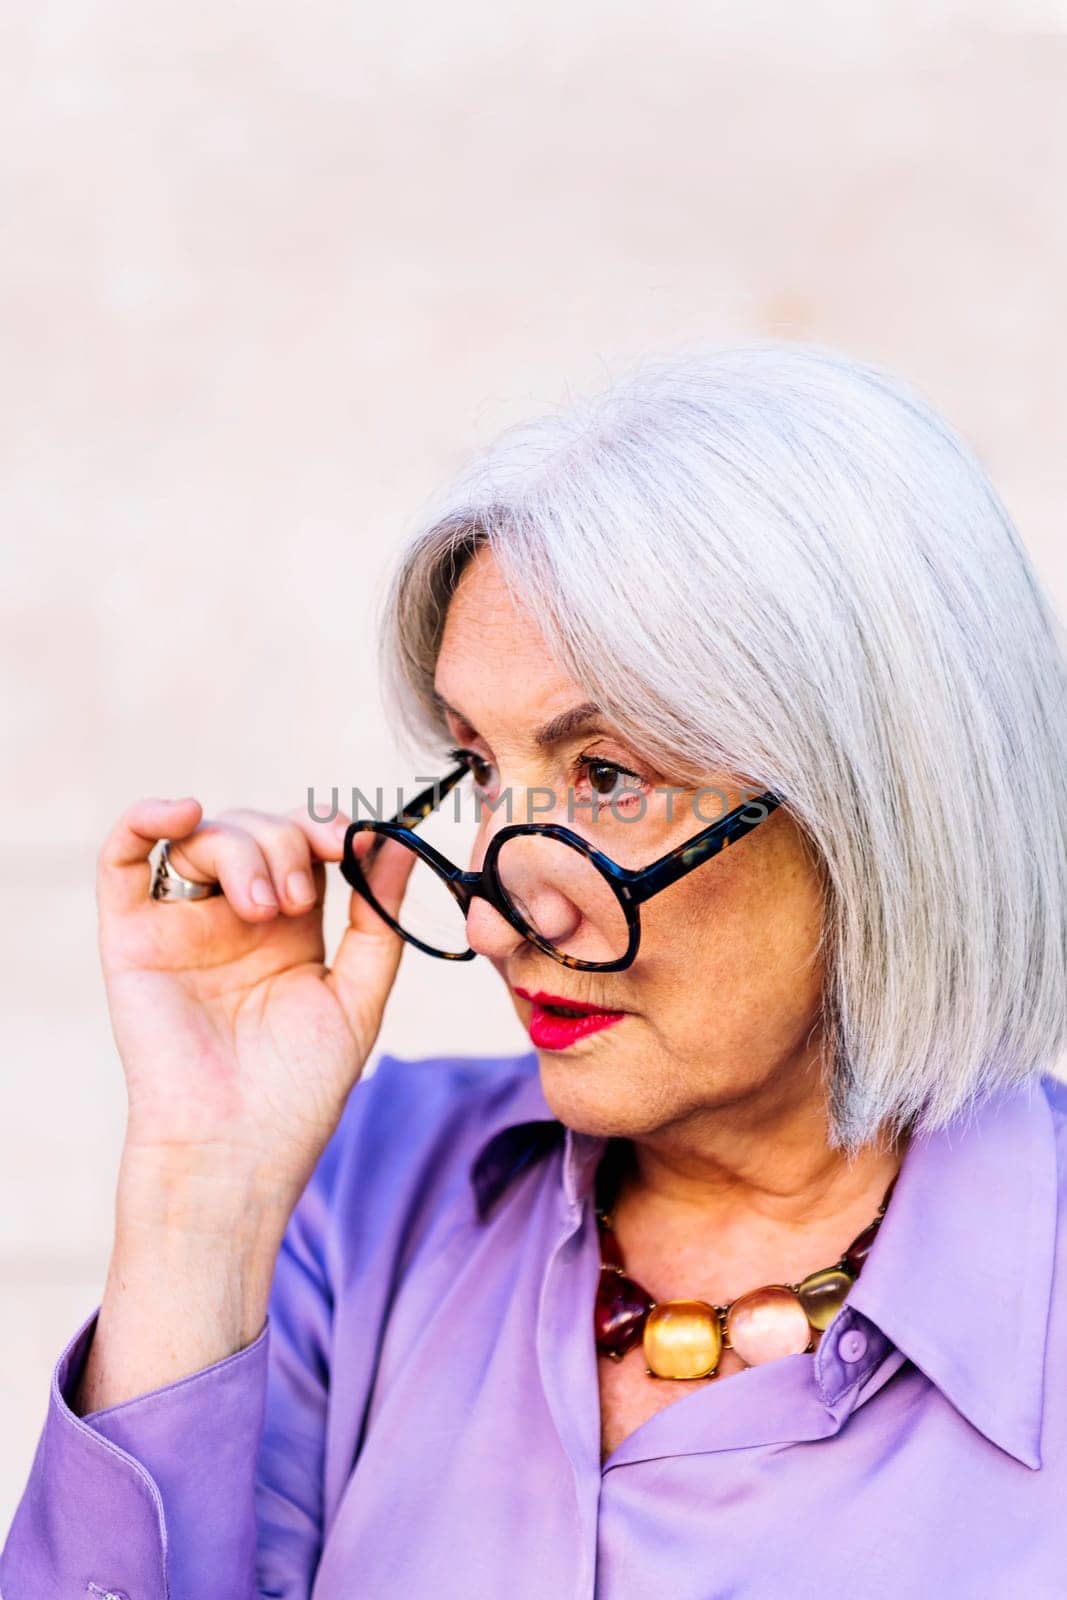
783 563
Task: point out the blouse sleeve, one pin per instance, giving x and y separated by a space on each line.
209 1488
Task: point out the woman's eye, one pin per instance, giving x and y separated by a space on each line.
476 765
603 776
608 780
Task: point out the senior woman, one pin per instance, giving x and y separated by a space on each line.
749 1278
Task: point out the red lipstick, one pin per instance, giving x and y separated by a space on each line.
550 1030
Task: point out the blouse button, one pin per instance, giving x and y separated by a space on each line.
852 1345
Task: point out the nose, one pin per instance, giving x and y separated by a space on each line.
547 886
533 883
488 933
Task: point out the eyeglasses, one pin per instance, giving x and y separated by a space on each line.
548 883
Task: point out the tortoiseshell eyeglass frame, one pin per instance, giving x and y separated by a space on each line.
631 886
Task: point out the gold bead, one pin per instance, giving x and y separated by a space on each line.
682 1339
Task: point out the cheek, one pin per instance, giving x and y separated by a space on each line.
750 937
710 917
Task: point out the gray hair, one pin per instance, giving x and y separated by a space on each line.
785 564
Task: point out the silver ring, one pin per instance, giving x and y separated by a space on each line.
168 883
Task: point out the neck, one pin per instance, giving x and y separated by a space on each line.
760 1165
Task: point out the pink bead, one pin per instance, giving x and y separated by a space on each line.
766 1324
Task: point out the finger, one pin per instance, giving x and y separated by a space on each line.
292 856
325 838
123 875
387 866
224 851
368 955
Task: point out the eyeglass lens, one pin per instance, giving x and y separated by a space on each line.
553 889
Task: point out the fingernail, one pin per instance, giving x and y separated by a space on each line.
262 893
299 887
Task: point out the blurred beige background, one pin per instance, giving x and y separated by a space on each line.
270 272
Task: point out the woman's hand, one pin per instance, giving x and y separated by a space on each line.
239 1044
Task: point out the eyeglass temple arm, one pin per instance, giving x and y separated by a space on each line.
419 809
685 857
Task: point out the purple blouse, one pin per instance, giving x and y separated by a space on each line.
420 1416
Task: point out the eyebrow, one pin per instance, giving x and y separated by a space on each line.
567 724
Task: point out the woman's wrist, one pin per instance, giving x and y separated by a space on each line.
207 1192
188 1282
173 1304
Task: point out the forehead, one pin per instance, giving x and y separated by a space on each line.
481 607
493 663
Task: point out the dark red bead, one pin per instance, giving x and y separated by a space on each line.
860 1249
619 1317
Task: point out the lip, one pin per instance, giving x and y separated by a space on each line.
550 1032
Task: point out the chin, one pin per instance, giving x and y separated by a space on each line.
587 1090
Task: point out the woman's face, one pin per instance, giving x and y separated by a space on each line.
722 1003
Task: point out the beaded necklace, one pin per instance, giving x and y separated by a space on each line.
685 1338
